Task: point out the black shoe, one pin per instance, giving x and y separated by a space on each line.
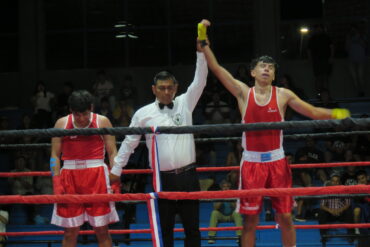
211 240
269 217
299 218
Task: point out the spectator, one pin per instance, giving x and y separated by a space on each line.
286 81
335 209
44 184
127 91
103 87
361 205
349 177
234 155
23 185
224 211
206 156
310 154
242 74
5 125
62 108
325 100
4 219
338 149
26 122
356 43
43 102
362 150
321 53
104 108
123 113
29 154
217 111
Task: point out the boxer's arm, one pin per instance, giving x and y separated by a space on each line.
237 88
127 148
309 110
56 150
109 140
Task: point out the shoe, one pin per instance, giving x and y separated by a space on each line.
299 218
211 240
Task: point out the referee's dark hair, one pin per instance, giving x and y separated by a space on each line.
164 75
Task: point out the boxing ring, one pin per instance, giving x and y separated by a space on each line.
344 190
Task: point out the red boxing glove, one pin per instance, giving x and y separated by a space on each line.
57 185
116 187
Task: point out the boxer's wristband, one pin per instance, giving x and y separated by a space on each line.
340 113
202 32
53 163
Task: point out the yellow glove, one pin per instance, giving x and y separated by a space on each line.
340 113
202 32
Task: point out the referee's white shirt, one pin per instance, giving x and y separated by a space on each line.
174 151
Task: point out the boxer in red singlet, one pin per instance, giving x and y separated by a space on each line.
264 164
83 171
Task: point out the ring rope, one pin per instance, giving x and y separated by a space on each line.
274 192
195 129
229 228
214 139
198 169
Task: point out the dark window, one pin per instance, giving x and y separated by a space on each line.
104 50
302 9
63 15
9 61
150 49
64 50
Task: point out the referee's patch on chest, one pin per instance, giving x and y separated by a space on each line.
177 119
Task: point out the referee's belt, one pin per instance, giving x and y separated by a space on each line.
180 170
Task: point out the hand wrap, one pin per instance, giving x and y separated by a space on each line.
340 113
116 187
57 185
202 32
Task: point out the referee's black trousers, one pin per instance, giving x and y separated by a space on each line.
188 210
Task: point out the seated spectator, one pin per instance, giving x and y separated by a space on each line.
62 108
127 91
104 109
306 155
361 151
206 156
23 185
43 102
325 100
4 219
44 184
217 111
338 150
361 205
233 159
224 211
234 155
103 87
123 113
349 177
335 209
